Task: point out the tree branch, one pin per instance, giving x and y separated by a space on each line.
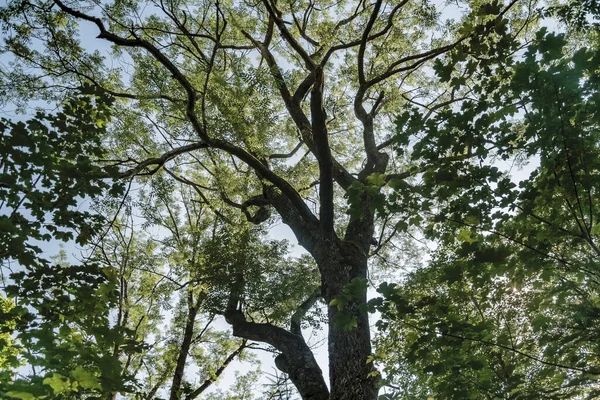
421 58
370 38
261 169
363 42
261 202
415 171
213 378
288 155
296 358
294 108
287 36
302 26
319 129
160 161
301 311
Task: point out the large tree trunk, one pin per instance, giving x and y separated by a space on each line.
339 261
349 370
350 374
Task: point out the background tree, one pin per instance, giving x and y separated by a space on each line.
164 302
508 306
204 255
48 167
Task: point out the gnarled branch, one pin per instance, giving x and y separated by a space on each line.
296 359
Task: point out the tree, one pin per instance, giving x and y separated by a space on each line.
42 162
288 107
56 321
166 303
47 168
508 306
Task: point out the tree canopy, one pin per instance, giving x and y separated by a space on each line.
387 136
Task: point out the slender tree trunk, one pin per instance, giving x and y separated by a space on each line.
185 346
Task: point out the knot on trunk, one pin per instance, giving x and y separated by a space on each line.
234 317
281 362
259 217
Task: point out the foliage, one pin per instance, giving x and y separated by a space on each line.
165 305
288 112
9 360
508 307
56 315
49 164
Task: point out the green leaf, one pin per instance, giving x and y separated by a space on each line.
357 287
345 321
58 383
376 179
464 235
111 273
86 379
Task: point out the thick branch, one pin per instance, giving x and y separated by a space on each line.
304 230
261 202
368 130
296 358
363 42
294 108
303 88
319 128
